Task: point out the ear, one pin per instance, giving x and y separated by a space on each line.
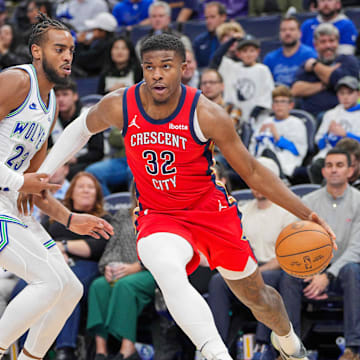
291 105
350 172
323 172
36 51
183 66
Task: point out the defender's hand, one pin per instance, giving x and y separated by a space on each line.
85 224
36 183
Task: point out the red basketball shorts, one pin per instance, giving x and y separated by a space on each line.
213 227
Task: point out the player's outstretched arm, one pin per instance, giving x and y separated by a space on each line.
108 112
83 224
218 126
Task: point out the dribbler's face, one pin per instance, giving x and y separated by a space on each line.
162 71
56 55
336 170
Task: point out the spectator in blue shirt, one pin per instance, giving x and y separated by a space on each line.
131 12
285 61
329 12
316 79
207 42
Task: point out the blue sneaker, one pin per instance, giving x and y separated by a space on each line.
264 352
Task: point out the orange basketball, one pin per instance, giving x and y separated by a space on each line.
303 249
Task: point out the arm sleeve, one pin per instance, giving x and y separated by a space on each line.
73 138
10 179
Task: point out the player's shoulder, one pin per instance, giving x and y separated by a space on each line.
209 109
15 86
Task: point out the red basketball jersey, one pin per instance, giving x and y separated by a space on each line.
170 164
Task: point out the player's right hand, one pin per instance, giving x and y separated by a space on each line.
36 183
317 219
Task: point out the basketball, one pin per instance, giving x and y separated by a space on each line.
303 248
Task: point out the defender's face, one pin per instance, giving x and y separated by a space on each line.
56 54
162 71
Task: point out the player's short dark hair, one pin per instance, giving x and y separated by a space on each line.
69 85
40 29
337 151
163 42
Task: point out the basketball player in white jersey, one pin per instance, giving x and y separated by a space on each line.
27 112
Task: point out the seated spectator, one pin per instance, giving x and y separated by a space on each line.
93 45
112 172
248 84
282 136
11 52
190 75
272 218
122 68
212 86
338 204
117 298
81 252
260 7
352 147
131 12
76 12
160 19
70 108
229 34
340 122
330 12
284 62
316 79
182 11
207 42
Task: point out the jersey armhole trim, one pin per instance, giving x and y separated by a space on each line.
125 113
195 129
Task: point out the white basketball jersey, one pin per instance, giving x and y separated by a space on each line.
25 129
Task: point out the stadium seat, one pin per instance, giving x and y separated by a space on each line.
305 16
268 45
242 195
262 26
310 124
91 99
138 32
354 15
193 28
87 85
303 189
113 202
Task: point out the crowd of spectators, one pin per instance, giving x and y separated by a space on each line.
314 69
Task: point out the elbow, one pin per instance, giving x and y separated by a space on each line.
295 91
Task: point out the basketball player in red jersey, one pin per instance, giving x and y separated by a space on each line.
169 131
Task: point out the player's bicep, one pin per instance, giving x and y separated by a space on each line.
15 85
106 113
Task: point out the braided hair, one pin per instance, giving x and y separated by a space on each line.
43 25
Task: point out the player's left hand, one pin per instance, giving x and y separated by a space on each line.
317 219
25 203
317 287
85 224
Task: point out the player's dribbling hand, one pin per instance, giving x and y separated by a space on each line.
317 219
36 183
85 224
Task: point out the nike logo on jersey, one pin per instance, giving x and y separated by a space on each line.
32 106
178 127
133 122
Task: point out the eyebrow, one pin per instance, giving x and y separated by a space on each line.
163 60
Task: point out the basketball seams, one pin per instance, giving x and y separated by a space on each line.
300 231
303 252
